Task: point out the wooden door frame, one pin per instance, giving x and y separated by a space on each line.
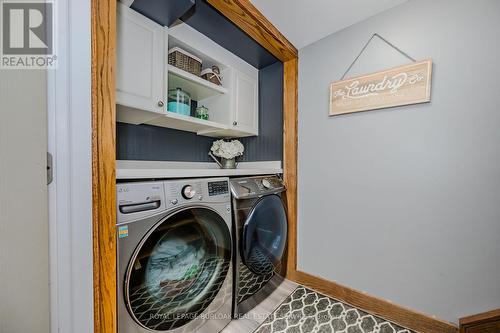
103 163
244 15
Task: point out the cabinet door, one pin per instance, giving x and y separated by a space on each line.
246 112
140 59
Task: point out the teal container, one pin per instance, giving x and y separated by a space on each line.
179 108
179 102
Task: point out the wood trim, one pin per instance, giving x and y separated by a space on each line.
248 18
486 322
481 317
408 318
103 164
290 143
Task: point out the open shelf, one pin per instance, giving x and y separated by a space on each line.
143 99
196 86
187 123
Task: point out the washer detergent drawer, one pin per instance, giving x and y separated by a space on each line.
138 200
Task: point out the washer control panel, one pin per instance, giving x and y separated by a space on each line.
256 186
192 191
136 200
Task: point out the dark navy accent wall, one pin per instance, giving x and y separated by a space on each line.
268 146
206 19
151 143
163 12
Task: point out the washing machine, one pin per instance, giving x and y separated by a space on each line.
174 255
260 235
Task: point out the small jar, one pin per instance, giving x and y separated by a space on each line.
179 102
202 112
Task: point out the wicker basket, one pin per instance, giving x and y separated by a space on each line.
212 75
184 60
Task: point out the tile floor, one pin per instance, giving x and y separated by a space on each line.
255 317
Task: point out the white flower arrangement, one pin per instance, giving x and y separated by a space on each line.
227 149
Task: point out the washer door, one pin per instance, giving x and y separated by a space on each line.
264 235
178 269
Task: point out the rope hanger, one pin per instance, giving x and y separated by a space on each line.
366 45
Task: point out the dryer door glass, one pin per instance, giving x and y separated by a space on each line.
178 269
264 236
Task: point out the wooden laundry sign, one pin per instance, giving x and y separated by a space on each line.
404 85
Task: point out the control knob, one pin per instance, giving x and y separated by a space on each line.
266 183
188 192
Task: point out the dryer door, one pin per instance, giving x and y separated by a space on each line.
264 235
178 269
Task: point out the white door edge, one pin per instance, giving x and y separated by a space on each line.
70 194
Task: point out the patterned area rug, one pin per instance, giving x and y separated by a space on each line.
306 311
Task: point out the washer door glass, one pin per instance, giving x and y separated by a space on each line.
264 236
178 269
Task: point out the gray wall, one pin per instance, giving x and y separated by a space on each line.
24 230
151 143
404 203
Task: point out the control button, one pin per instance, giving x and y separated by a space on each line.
188 192
174 202
200 197
266 183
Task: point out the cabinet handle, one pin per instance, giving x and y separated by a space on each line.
160 104
235 123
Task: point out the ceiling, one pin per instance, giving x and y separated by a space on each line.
305 21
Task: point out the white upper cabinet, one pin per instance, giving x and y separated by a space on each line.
144 78
246 111
238 109
140 58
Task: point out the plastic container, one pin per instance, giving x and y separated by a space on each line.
179 102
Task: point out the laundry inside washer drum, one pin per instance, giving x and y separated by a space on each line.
177 273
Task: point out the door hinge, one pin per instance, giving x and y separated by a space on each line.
50 169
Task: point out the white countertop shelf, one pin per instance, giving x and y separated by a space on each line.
197 87
186 123
162 170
